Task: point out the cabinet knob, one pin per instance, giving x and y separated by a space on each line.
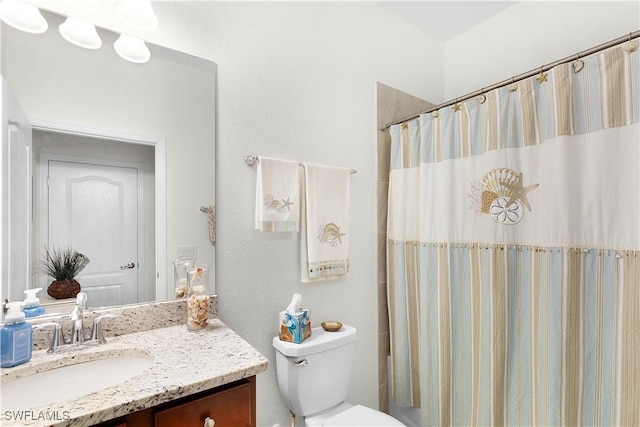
208 422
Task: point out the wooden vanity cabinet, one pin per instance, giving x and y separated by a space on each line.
231 405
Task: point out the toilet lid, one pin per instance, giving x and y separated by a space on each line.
362 416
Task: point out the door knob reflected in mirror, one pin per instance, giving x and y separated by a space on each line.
128 266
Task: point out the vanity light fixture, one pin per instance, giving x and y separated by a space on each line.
138 13
23 16
132 49
80 33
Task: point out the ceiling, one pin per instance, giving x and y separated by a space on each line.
445 20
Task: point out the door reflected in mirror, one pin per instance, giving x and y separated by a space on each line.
100 194
119 159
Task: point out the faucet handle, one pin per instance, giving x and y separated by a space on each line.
96 330
57 339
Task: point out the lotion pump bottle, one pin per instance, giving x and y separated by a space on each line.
32 307
16 337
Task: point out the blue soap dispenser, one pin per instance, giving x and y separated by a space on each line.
16 337
32 307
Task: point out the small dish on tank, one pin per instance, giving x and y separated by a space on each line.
331 326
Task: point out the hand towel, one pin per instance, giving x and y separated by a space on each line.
324 251
277 195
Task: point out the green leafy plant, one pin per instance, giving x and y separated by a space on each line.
64 264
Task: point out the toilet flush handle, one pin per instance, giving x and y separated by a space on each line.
300 364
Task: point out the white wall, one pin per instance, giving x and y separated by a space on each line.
531 34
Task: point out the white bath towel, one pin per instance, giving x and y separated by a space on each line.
324 237
277 195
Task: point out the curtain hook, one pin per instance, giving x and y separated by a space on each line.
482 98
577 64
513 86
630 46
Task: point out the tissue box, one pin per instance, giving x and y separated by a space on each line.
296 327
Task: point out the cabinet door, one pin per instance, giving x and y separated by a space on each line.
228 408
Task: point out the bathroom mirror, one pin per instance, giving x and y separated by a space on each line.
92 122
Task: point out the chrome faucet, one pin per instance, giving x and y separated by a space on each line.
77 328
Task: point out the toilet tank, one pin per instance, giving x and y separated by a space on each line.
314 375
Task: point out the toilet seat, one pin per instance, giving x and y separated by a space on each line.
357 415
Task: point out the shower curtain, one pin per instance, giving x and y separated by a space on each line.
513 242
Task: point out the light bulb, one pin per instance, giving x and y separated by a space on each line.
132 49
23 16
80 33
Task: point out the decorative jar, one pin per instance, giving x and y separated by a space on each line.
180 267
199 299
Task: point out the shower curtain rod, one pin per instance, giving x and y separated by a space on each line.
575 57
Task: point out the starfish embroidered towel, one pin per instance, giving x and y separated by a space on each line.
324 237
277 195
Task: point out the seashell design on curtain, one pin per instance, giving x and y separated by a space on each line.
513 252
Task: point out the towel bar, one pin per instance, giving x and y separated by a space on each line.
252 160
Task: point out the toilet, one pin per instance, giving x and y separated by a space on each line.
314 376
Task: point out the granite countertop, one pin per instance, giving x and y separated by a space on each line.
184 363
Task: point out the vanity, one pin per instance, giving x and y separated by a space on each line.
184 379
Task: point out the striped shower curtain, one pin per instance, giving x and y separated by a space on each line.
513 252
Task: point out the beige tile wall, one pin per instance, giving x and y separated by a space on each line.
392 105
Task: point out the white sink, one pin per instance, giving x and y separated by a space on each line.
70 381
